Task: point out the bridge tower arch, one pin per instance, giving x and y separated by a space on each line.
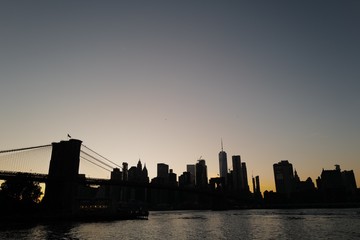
62 183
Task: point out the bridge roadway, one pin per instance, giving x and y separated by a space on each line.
37 177
43 178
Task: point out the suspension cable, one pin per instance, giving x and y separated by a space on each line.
96 159
102 156
95 163
22 149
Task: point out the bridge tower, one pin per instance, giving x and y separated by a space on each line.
62 183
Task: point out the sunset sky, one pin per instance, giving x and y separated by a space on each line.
165 81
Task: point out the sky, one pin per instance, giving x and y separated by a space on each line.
165 81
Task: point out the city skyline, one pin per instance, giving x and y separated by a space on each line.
165 82
129 193
236 173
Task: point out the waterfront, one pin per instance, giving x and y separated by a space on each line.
239 224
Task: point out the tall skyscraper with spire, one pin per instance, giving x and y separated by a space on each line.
223 162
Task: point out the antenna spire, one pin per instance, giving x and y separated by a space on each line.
222 147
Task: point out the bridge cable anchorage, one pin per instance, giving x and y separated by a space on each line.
23 149
96 159
95 164
102 156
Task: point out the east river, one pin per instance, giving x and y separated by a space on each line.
239 224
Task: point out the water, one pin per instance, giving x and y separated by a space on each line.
240 224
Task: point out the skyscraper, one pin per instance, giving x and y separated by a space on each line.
237 173
201 174
223 163
256 187
172 178
163 171
257 180
125 171
284 177
245 182
138 173
192 170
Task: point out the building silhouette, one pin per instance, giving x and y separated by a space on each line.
132 177
185 180
138 174
191 168
162 174
349 181
302 186
223 168
145 175
254 184
116 174
162 170
289 187
125 171
172 178
284 177
245 182
237 173
336 185
256 187
201 174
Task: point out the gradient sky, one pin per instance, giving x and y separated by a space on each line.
164 81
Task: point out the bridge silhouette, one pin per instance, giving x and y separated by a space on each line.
67 191
34 162
84 155
62 180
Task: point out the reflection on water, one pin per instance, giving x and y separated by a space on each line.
242 224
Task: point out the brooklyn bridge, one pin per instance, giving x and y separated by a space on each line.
66 159
69 192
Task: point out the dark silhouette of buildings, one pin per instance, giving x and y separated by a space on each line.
302 186
289 187
333 187
138 173
236 179
68 192
336 185
185 180
134 174
165 176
